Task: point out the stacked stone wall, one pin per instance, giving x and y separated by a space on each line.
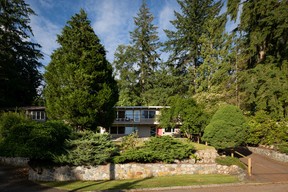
127 171
270 153
14 161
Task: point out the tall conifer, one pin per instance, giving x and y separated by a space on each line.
19 65
80 86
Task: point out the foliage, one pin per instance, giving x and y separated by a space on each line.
261 42
136 63
129 142
9 120
186 114
227 128
80 87
267 89
229 161
283 148
157 149
19 74
184 44
87 148
266 131
26 138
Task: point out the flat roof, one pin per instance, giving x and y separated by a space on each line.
141 107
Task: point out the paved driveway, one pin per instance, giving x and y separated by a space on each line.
15 180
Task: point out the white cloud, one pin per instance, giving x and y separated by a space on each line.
45 33
112 22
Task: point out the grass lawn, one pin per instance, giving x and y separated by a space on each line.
167 181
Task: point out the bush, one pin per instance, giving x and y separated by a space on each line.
158 149
22 137
229 161
129 142
283 148
9 120
87 148
266 131
227 129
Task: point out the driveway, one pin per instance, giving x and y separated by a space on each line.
16 180
267 170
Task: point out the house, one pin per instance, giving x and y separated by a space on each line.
129 119
36 113
140 119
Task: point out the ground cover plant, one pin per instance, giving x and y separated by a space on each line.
227 160
158 149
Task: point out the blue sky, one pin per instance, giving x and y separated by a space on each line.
111 20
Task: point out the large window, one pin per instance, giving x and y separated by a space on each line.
120 115
37 115
129 115
146 114
122 130
117 130
137 116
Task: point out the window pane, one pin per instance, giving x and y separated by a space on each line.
144 114
121 114
137 116
42 115
38 115
113 130
151 114
129 130
121 130
129 114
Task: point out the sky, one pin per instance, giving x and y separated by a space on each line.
112 20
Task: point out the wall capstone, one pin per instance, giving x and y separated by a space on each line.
14 161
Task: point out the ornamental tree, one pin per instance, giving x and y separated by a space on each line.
227 129
80 87
186 114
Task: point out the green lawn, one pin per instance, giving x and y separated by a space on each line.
167 181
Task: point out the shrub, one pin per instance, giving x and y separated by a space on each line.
227 129
229 161
87 148
157 149
22 137
9 120
283 148
129 142
266 131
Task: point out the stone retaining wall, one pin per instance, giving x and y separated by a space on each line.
14 161
128 171
270 153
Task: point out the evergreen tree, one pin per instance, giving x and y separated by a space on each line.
142 62
186 114
19 75
184 43
262 45
80 86
227 128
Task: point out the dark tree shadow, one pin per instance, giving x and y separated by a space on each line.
127 185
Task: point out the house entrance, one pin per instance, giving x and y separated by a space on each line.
153 131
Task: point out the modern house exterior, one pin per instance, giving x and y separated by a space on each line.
140 119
